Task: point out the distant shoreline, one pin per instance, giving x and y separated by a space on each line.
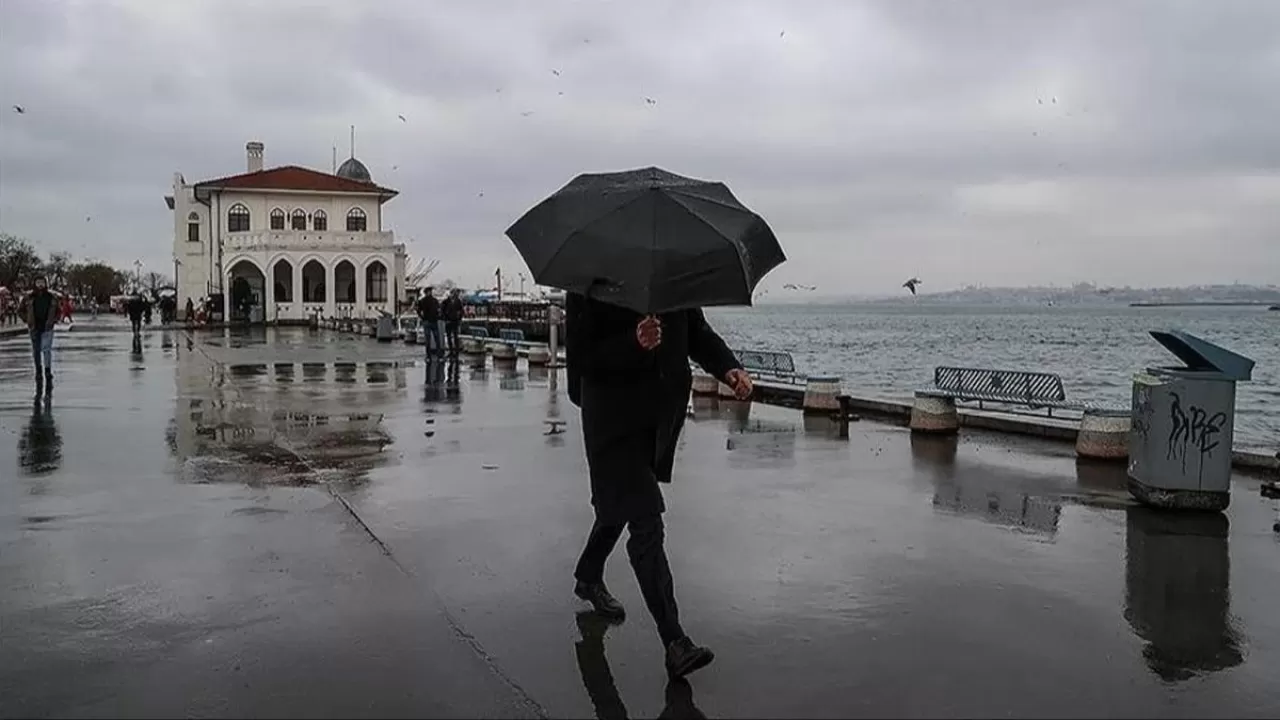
1203 303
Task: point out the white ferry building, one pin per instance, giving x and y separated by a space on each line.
306 241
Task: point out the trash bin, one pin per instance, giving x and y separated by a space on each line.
386 329
1183 423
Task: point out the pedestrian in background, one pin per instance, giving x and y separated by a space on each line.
451 312
432 327
42 315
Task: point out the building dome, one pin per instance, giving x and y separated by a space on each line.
353 169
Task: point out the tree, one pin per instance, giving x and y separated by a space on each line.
19 263
55 268
96 280
153 281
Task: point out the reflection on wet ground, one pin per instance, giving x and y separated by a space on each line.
356 530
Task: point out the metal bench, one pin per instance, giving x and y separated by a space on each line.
1036 390
769 366
511 335
478 331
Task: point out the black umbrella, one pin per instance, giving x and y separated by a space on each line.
648 240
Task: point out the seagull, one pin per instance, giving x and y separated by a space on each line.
556 73
560 93
1039 101
19 109
480 195
526 113
651 101
911 284
784 32
402 118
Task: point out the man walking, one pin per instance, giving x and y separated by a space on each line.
630 376
42 316
429 313
451 311
136 307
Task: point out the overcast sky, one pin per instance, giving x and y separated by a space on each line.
961 142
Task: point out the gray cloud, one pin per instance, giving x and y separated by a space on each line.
880 139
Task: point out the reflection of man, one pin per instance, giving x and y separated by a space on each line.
40 446
630 375
597 678
42 315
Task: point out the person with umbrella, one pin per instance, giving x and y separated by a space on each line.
639 254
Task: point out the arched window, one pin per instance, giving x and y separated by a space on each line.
277 219
238 218
356 221
320 221
375 282
298 220
193 227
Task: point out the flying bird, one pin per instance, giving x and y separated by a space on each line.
784 32
402 118
651 101
556 73
526 113
911 284
19 109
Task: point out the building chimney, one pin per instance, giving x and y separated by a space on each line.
253 153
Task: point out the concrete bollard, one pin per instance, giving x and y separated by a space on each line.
705 385
724 391
476 360
820 393
934 414
370 330
504 354
411 337
471 346
539 356
1104 434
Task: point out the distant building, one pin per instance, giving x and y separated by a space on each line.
305 241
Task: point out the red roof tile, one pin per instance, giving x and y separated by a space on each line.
292 177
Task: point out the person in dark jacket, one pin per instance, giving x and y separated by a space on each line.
136 307
42 316
429 313
630 376
451 311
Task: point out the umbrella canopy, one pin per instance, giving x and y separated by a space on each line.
648 240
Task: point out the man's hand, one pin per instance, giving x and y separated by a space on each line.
740 382
649 332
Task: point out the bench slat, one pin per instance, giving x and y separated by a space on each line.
767 361
1000 385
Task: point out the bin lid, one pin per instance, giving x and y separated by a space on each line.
1200 354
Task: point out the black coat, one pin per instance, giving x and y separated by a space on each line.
634 400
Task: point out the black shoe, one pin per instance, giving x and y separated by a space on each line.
604 603
683 657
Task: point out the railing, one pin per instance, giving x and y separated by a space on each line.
265 240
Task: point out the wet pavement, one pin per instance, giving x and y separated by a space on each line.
288 522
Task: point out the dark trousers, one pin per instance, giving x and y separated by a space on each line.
648 560
451 335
